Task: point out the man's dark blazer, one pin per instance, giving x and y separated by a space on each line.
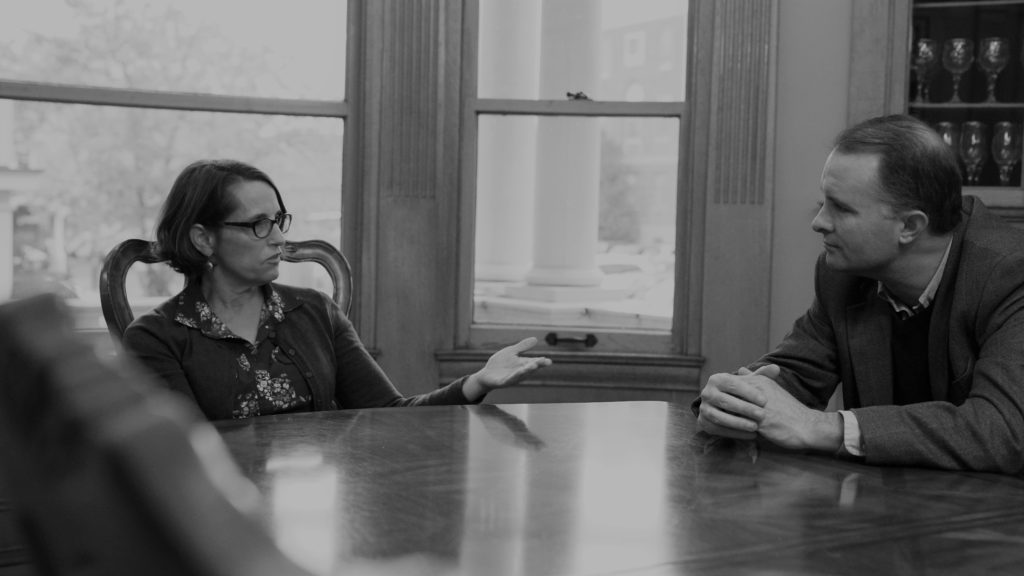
975 356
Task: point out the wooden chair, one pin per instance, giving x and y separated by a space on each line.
112 475
118 313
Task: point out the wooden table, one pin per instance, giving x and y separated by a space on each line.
604 488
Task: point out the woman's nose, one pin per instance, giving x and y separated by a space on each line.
276 237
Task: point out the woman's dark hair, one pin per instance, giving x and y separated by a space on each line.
917 170
199 195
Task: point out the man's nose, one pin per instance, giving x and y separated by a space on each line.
820 223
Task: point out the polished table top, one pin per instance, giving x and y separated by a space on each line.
604 488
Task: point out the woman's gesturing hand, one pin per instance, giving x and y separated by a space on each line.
504 368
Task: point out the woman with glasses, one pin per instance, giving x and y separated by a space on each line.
241 345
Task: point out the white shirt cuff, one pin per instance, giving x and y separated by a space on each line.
851 433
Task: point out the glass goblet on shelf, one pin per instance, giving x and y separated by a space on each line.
950 133
925 60
993 56
1006 149
973 148
957 57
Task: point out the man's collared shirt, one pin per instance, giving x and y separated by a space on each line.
851 429
926 297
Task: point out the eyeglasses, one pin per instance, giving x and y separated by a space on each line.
261 228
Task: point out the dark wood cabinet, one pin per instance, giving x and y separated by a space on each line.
981 41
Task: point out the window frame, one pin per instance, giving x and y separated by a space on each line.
163 100
655 347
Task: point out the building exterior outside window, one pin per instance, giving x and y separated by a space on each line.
107 102
575 213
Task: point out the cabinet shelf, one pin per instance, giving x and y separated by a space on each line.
967 105
968 4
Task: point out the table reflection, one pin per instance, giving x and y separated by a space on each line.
598 489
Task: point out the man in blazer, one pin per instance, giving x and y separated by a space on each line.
918 312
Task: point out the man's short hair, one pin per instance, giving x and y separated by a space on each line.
917 170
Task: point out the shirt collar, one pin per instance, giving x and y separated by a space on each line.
926 297
191 309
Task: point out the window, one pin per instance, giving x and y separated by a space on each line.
103 103
575 173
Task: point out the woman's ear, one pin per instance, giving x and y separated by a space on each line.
203 239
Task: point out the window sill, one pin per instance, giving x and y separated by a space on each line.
632 372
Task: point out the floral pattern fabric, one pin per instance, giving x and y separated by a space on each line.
266 380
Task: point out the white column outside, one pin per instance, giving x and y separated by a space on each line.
568 162
6 246
565 214
14 179
8 155
57 245
510 53
7 161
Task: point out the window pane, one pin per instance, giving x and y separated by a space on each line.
76 179
231 47
632 50
575 221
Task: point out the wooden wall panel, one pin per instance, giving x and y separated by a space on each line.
879 68
406 185
741 89
733 120
410 126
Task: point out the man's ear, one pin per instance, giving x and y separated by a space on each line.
202 238
915 224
